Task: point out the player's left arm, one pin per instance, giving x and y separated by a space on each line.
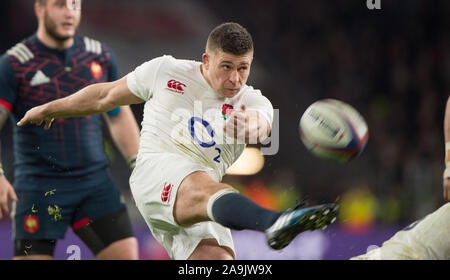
124 131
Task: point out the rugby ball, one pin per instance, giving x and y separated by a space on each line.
334 130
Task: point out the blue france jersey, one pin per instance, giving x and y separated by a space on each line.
32 74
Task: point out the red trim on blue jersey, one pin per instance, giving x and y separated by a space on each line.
5 104
81 223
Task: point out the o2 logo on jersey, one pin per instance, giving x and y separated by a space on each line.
208 128
210 132
96 70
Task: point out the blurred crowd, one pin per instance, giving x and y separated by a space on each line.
391 64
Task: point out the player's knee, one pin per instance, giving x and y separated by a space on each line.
192 198
195 190
219 253
125 249
188 207
33 257
197 196
209 249
189 197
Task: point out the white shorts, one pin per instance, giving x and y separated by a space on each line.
154 185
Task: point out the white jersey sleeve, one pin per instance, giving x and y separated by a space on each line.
254 100
141 81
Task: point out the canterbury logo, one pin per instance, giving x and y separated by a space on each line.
176 86
165 195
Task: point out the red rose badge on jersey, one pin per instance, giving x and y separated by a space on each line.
227 109
96 70
31 224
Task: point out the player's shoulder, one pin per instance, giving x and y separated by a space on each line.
250 95
178 64
178 68
100 50
168 64
5 65
249 90
21 52
92 45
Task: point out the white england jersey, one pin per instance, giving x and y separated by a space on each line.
185 116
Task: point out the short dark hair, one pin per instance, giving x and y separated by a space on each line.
231 38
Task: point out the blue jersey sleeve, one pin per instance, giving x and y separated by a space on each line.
8 84
113 69
113 75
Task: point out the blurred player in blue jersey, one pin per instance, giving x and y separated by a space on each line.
61 175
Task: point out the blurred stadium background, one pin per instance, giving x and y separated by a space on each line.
392 64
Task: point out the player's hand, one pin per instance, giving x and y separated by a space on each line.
7 195
446 189
36 116
246 125
235 124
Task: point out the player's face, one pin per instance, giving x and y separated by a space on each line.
61 22
227 73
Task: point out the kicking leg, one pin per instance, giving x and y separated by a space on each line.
209 249
200 198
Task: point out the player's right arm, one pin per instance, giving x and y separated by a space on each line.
446 175
252 121
7 95
93 99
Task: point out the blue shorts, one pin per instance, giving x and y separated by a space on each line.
47 206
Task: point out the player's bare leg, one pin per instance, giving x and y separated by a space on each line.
125 249
190 208
209 249
200 198
33 257
192 198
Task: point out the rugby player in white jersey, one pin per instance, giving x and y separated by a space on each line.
426 239
198 117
